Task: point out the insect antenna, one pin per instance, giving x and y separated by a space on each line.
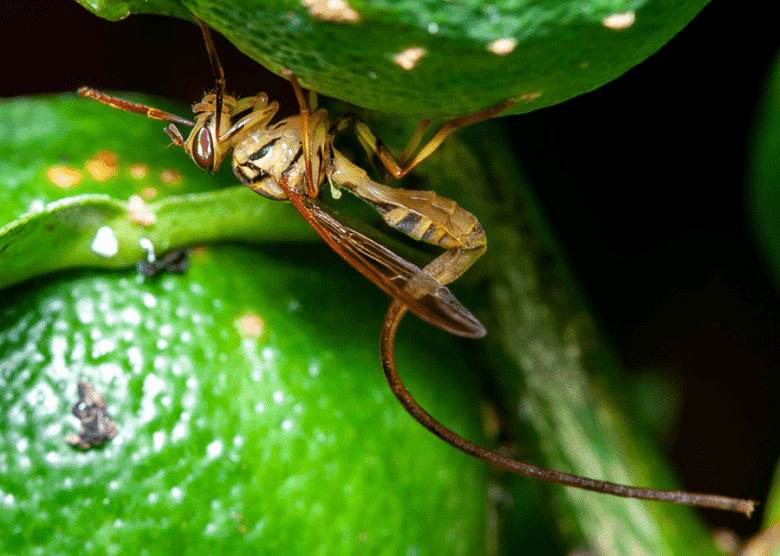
386 346
216 67
127 106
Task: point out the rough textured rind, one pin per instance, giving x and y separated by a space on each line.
562 49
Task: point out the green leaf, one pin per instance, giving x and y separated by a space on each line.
457 53
764 206
764 171
42 151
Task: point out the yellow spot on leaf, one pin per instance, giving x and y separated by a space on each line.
171 177
148 193
409 57
332 10
250 326
619 21
63 177
139 171
502 46
139 212
530 96
103 165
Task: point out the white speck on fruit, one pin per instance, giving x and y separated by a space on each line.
269 354
161 344
152 498
214 449
105 243
287 425
185 337
22 445
433 28
259 407
176 493
85 310
148 300
619 21
102 347
503 46
136 359
131 315
278 396
158 440
178 432
314 369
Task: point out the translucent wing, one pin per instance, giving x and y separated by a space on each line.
397 277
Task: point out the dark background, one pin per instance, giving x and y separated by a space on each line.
643 180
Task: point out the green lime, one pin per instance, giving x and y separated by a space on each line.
251 411
437 59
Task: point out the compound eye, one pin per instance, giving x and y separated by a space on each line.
203 153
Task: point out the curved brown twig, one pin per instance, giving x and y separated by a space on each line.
387 344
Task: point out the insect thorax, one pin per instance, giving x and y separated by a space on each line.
262 158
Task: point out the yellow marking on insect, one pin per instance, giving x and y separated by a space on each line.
502 47
250 326
103 165
332 10
149 193
619 21
139 212
139 171
409 57
171 177
63 177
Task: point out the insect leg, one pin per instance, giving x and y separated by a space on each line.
373 144
387 347
311 187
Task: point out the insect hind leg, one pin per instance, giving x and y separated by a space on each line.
373 145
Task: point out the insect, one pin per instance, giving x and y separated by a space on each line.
292 159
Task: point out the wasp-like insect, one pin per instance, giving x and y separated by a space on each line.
293 158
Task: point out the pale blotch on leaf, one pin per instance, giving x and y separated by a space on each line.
332 10
139 171
619 21
63 177
409 57
502 47
171 177
529 96
139 212
149 193
103 165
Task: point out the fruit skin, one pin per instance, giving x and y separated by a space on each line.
333 466
561 49
230 442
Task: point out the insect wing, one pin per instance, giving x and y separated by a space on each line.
397 277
